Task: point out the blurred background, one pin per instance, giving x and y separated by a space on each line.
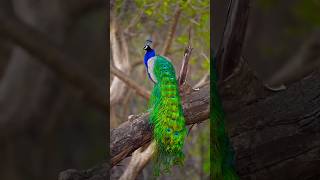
47 122
131 24
276 35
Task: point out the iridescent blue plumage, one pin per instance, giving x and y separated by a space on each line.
150 53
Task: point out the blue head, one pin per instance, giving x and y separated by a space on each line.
149 52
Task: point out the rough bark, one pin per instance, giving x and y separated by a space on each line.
278 137
136 132
274 138
100 172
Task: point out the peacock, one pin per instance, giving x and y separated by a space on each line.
166 114
222 154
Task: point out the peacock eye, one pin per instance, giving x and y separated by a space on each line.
176 133
168 130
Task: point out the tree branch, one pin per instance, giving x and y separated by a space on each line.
172 31
49 54
203 81
184 66
139 160
136 132
132 84
120 57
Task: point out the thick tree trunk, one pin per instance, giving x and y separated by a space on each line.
279 137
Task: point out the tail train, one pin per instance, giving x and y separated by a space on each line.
166 115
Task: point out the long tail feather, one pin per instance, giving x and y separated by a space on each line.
166 117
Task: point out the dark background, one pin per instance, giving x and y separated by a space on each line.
53 63
271 94
275 33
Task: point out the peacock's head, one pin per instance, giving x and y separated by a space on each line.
147 45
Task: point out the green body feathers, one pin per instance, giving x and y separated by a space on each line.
166 117
222 155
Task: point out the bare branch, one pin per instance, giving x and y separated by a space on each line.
120 57
172 31
203 81
136 132
132 84
139 160
184 68
185 61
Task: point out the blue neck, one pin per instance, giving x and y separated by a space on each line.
149 54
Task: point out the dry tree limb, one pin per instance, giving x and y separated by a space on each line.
172 31
184 68
139 160
130 83
136 132
203 81
185 61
